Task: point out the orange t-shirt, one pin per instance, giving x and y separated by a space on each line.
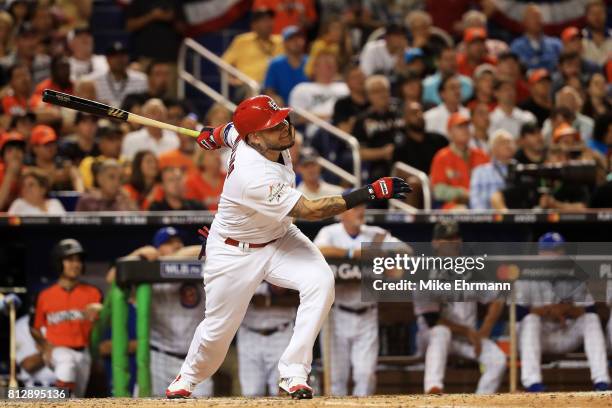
465 68
288 12
62 313
12 105
142 202
176 158
196 188
447 167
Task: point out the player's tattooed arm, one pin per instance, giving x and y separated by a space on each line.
318 209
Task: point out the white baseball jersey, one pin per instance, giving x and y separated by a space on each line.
544 292
26 347
336 236
176 311
257 194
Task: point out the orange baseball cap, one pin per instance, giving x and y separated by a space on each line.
456 119
537 75
474 33
565 129
42 134
11 137
570 33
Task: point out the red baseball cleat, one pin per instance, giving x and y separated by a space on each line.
179 388
296 387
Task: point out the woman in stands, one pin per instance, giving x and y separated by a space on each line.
143 187
33 198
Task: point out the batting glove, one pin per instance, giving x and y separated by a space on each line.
8 299
388 187
208 140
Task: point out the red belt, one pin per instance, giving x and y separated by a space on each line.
246 245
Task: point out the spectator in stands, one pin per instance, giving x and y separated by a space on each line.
185 155
12 152
158 83
177 110
6 33
452 165
73 14
490 177
568 104
572 43
33 198
217 115
597 100
431 40
251 52
26 52
570 72
301 13
410 88
532 148
413 62
379 128
16 98
205 183
108 195
286 71
82 59
507 115
558 316
173 186
150 138
312 185
333 38
478 19
436 119
346 109
23 123
21 12
82 142
540 101
509 67
62 173
484 78
535 49
45 24
475 51
109 143
480 127
157 29
113 85
597 37
381 56
447 66
143 187
418 147
602 137
319 96
58 81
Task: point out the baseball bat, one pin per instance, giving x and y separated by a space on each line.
13 348
100 109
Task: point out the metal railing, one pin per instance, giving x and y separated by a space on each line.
222 97
425 187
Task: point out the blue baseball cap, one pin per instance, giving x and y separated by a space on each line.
413 54
163 235
290 31
551 241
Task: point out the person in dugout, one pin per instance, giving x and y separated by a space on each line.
64 318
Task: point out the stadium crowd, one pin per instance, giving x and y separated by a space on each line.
456 103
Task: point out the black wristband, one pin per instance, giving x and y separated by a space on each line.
360 196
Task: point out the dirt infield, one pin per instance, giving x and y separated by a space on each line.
557 400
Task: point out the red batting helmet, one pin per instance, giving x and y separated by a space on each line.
258 113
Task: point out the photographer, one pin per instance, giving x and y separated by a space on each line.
560 183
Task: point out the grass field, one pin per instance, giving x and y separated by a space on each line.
544 400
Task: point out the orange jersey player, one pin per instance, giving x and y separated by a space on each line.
64 317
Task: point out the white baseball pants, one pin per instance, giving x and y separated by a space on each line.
535 335
439 343
258 358
232 274
354 345
72 366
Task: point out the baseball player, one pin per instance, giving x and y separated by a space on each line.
263 335
33 371
558 316
64 317
252 239
447 327
354 334
175 312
